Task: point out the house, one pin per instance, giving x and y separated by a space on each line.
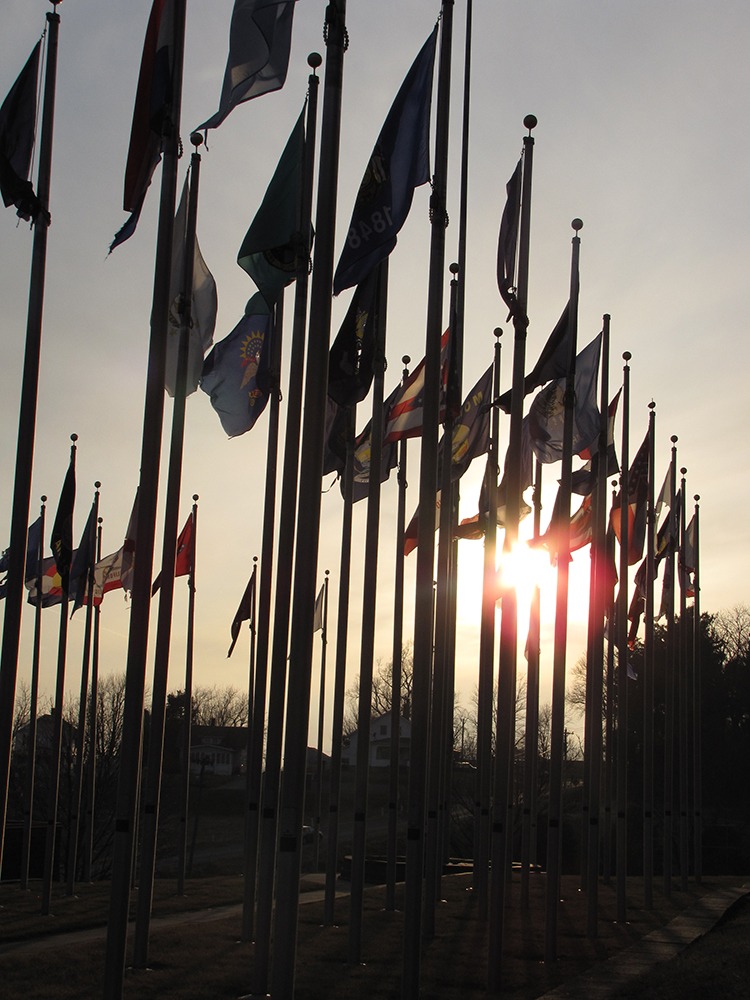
380 743
218 750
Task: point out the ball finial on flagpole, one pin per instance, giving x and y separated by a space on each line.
577 224
315 60
530 122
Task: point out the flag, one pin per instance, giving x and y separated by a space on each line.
260 40
128 549
584 479
547 411
33 554
201 319
474 527
508 241
318 622
400 162
17 131
405 417
83 562
336 427
236 373
350 360
52 589
153 105
552 364
107 576
275 248
580 530
183 561
362 452
245 612
61 541
637 602
665 493
688 558
637 504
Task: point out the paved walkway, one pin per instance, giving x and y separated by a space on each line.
661 945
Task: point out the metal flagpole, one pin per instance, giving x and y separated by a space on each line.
622 653
263 823
187 724
609 722
250 839
57 735
367 644
396 673
487 656
26 427
423 614
75 806
682 661
130 752
28 815
669 671
321 723
648 675
508 647
339 688
557 734
697 713
152 784
308 517
93 728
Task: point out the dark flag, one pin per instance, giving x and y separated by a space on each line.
363 451
350 360
508 241
17 130
244 612
583 480
83 561
637 504
153 103
580 530
552 364
236 373
61 541
183 562
400 162
334 453
33 555
274 247
128 549
52 590
260 39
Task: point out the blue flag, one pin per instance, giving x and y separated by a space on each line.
236 373
399 163
33 554
83 561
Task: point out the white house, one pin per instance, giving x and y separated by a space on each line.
380 743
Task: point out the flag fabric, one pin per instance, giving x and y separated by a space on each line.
153 104
274 247
547 411
405 416
336 425
363 451
474 527
236 374
33 554
584 479
183 560
204 305
665 494
61 541
508 242
637 505
128 549
552 364
260 40
637 602
83 562
52 589
17 132
318 622
244 613
400 162
350 360
688 558
580 530
107 576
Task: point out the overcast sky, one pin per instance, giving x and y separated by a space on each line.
642 113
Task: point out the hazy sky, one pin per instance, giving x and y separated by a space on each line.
642 110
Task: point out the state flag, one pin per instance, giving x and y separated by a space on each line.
508 241
406 413
552 364
183 561
350 359
245 612
61 541
637 504
17 134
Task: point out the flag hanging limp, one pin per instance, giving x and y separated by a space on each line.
61 541
552 364
17 131
400 162
350 360
183 561
245 612
260 40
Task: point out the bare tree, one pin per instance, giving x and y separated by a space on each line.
382 690
219 706
732 629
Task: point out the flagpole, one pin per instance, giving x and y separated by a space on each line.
622 653
367 644
339 689
595 646
508 647
130 752
308 516
94 704
648 678
265 786
75 811
250 838
557 735
26 427
57 729
697 712
321 722
152 786
423 612
609 727
182 862
669 671
683 694
28 814
486 655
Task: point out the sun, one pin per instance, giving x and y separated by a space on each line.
523 568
